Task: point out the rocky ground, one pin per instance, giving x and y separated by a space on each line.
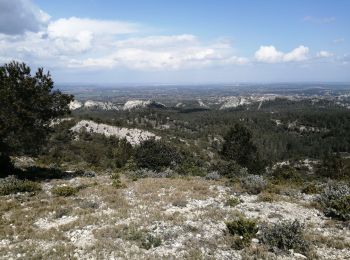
152 218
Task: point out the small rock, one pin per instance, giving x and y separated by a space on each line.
299 256
255 240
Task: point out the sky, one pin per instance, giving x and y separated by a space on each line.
179 42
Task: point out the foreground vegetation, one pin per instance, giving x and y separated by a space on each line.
247 183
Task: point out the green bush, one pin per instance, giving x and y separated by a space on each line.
115 176
232 201
191 169
156 155
65 191
244 230
310 188
286 173
333 166
118 184
266 197
150 241
11 185
230 169
284 236
335 201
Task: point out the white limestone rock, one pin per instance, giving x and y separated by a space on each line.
133 135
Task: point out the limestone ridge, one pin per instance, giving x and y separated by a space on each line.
133 135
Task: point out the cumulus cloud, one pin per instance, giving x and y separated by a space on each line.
85 50
324 54
19 16
173 53
83 43
270 54
298 54
94 43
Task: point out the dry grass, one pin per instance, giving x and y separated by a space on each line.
101 221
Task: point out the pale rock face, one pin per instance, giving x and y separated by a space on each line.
201 103
231 102
75 104
90 104
133 135
131 104
235 101
59 121
134 104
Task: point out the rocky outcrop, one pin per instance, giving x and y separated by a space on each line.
133 135
137 104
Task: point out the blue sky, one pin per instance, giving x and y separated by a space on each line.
184 41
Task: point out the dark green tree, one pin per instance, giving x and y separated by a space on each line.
155 155
332 166
238 146
27 106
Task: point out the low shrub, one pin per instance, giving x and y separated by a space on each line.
214 175
229 169
115 176
267 197
286 173
284 236
191 169
310 188
180 203
244 230
118 184
151 241
335 201
273 188
142 237
253 184
333 166
11 185
60 212
147 173
89 204
232 201
65 191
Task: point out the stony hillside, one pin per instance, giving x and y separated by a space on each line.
103 215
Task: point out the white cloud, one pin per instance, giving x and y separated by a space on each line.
82 43
19 16
72 26
298 54
270 54
172 58
156 41
84 50
324 54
